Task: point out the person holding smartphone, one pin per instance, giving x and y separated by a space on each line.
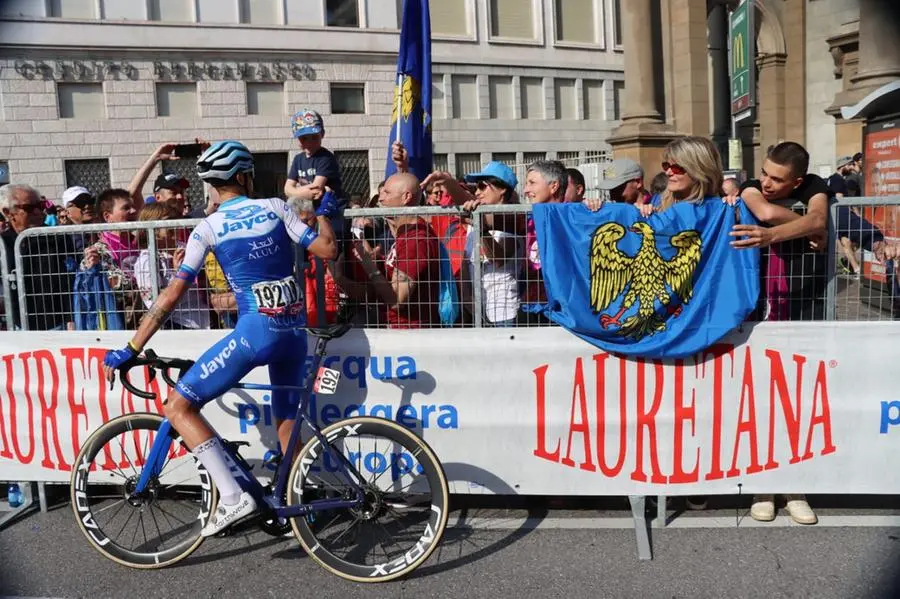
168 188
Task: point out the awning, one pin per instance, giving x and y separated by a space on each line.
883 101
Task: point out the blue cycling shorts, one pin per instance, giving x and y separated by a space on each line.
253 342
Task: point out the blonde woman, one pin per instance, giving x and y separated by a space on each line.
693 168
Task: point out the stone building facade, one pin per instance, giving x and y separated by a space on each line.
88 88
812 58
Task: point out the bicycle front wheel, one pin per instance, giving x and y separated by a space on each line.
404 514
152 529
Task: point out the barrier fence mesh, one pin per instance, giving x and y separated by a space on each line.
389 272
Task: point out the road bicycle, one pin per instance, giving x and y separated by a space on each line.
354 485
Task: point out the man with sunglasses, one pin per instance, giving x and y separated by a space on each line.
48 261
80 205
624 180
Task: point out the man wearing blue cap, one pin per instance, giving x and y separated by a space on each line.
314 168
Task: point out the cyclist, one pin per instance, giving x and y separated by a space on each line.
251 240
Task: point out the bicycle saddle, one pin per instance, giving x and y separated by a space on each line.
330 332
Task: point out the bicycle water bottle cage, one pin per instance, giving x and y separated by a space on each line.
233 447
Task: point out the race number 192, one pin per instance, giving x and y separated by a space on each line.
326 381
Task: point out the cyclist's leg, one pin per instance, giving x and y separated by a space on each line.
288 372
214 373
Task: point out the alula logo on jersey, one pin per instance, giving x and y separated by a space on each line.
218 361
263 249
244 218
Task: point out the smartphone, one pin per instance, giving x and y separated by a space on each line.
188 150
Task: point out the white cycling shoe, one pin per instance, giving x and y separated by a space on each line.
226 515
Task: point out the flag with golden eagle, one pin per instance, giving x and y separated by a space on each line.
411 117
667 286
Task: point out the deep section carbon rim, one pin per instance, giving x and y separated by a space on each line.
404 514
148 530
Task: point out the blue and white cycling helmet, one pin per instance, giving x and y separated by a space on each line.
223 160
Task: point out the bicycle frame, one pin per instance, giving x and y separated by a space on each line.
161 445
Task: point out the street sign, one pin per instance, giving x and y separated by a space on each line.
743 69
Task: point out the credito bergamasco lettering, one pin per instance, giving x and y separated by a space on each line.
733 412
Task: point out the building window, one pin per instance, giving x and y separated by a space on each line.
568 158
532 97
354 169
4 173
73 9
595 156
186 168
92 174
467 163
438 99
348 98
617 23
531 157
342 13
176 99
618 90
575 21
80 100
501 97
564 91
177 11
448 17
261 12
465 97
512 18
269 174
266 99
507 158
441 163
593 100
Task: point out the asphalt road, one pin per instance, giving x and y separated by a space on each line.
540 549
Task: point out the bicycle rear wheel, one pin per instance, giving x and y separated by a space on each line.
153 529
405 512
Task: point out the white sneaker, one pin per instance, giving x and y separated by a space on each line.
799 510
225 515
763 508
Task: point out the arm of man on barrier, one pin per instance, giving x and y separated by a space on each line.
812 224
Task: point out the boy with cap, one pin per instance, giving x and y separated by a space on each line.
314 168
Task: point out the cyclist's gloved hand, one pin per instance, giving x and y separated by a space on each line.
120 357
328 207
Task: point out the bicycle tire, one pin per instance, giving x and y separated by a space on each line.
431 467
87 522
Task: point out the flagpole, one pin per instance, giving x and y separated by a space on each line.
399 105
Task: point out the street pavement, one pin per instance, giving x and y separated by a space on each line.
501 548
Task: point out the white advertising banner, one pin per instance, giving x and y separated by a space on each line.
781 408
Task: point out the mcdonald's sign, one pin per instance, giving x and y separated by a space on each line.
743 80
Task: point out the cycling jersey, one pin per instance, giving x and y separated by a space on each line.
251 240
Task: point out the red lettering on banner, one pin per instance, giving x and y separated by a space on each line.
582 426
4 448
48 410
647 419
718 353
683 413
778 381
540 374
746 427
600 363
823 419
14 433
77 410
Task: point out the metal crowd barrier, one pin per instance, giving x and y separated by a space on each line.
47 260
5 284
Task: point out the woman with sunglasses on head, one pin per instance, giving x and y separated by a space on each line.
502 251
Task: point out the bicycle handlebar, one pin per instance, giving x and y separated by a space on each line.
155 363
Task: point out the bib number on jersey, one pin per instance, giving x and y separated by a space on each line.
278 297
326 381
